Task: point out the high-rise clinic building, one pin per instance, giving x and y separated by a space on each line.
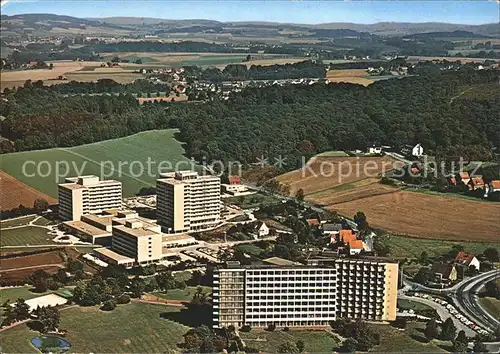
304 295
187 201
87 195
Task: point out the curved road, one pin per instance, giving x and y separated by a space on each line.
466 299
464 295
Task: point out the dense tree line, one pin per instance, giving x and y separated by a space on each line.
108 86
273 121
303 69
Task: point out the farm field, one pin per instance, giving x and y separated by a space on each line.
350 191
141 329
17 269
428 216
25 236
120 159
411 247
353 76
13 193
18 77
315 341
324 173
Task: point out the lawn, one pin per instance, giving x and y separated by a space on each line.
418 307
12 294
251 200
41 221
27 235
491 305
134 160
131 328
410 340
182 295
407 247
24 220
315 341
333 153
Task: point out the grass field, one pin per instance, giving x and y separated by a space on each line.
182 295
130 328
24 220
411 340
269 342
28 235
251 200
120 159
13 193
412 247
332 153
428 216
491 305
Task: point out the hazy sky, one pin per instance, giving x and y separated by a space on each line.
297 11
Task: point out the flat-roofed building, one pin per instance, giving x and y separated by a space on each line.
111 257
187 201
87 195
287 294
139 240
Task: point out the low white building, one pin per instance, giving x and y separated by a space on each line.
417 151
261 229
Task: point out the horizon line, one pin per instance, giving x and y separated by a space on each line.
246 21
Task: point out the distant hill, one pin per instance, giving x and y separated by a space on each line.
46 22
435 35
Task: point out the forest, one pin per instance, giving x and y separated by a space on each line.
303 69
275 120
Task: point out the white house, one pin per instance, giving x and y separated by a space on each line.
417 151
467 260
374 149
261 229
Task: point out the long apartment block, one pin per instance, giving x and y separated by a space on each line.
87 195
187 201
304 295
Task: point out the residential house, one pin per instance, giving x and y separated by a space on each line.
417 151
261 229
347 236
452 180
331 229
234 180
444 273
467 260
374 149
313 222
463 177
492 187
476 183
355 247
180 89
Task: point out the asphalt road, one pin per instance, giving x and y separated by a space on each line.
466 299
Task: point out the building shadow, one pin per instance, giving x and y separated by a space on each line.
191 315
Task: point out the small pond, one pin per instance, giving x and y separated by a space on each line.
51 344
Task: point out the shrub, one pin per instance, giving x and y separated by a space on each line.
286 329
246 328
123 299
109 305
271 327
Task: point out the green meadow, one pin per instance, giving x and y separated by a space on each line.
135 160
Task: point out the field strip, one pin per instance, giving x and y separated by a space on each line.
360 198
112 169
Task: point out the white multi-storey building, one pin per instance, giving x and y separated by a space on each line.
300 295
187 201
88 195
